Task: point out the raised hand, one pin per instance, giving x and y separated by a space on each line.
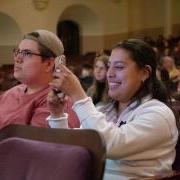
68 83
56 104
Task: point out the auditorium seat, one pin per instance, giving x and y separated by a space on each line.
44 145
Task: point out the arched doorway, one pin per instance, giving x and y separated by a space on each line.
89 24
10 34
68 32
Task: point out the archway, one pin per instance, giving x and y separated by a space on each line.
88 23
68 32
10 34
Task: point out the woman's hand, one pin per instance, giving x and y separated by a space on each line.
56 104
68 83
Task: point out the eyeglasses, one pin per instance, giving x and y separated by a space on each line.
25 53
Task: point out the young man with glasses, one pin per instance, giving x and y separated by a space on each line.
33 67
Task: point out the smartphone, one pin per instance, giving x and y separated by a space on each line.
59 60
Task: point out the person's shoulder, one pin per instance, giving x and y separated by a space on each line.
155 102
17 88
13 92
156 106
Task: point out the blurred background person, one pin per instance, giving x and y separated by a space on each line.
168 64
99 89
86 76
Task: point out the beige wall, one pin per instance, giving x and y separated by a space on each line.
6 54
176 11
102 22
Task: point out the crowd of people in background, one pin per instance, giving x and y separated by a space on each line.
168 59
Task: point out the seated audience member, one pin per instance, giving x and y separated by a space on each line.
142 143
174 73
33 67
99 89
165 79
176 54
86 77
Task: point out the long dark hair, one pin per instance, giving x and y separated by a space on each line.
142 54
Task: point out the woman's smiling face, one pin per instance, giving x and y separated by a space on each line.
124 76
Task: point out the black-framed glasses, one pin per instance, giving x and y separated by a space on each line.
25 53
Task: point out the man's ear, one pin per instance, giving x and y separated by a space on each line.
49 65
146 72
